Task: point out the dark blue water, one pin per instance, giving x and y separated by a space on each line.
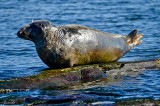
18 57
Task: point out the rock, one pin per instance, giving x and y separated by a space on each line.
69 77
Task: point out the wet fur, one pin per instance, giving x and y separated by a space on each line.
71 45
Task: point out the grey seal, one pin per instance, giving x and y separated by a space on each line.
72 45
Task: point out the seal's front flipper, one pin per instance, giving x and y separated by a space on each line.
134 38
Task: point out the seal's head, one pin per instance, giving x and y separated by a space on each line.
34 31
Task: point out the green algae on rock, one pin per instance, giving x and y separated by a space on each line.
138 102
66 78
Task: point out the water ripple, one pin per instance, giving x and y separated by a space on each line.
116 16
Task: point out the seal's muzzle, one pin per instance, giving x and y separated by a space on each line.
34 31
24 33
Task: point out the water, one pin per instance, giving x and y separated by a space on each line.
18 58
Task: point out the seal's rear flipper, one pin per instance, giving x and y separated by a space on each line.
133 33
134 38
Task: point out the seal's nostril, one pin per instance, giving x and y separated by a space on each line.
21 31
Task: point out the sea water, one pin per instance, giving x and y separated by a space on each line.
18 58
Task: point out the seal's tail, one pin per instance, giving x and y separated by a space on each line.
134 38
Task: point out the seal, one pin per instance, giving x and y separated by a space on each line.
72 45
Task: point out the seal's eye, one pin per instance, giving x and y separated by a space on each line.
35 31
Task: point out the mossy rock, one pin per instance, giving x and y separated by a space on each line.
68 77
138 102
